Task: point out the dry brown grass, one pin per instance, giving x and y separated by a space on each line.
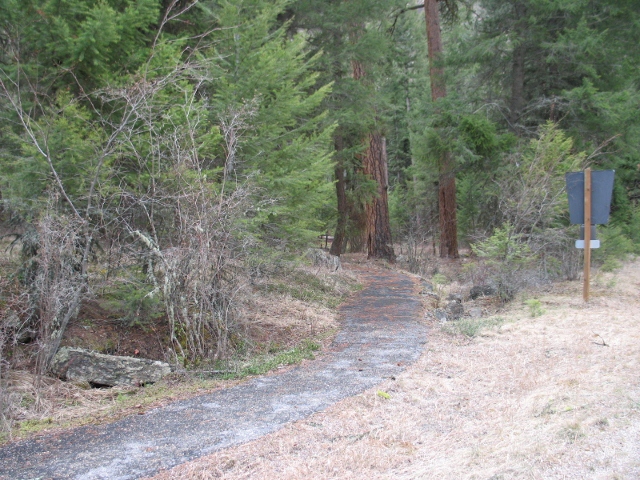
277 317
552 396
40 406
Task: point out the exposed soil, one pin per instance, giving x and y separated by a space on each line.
104 331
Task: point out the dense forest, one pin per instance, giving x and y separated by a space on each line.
180 147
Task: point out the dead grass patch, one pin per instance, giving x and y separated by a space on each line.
538 397
42 405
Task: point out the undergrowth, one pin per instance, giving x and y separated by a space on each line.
472 327
63 405
305 286
120 401
261 364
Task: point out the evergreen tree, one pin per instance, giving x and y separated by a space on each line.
353 37
447 181
568 61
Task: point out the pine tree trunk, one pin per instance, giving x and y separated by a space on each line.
434 44
378 227
447 185
447 209
357 215
357 232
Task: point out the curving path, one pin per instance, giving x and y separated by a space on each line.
380 335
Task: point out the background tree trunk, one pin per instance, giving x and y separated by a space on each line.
434 43
357 213
517 69
517 87
378 226
447 209
447 184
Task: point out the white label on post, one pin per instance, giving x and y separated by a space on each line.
594 244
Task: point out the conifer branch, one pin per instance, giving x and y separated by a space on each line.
404 10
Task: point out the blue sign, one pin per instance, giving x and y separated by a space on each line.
601 192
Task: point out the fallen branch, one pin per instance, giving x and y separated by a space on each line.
603 344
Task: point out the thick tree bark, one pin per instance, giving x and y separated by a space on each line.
358 224
447 184
357 69
434 44
378 227
447 210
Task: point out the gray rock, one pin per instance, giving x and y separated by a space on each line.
22 333
482 291
455 310
426 286
320 258
83 366
456 297
475 312
433 295
440 314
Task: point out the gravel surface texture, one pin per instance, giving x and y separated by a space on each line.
380 335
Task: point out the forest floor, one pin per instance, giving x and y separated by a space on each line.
287 316
379 336
546 390
545 387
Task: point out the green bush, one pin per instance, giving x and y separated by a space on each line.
535 307
509 261
135 302
472 327
615 247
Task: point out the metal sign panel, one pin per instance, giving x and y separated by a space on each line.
593 244
601 192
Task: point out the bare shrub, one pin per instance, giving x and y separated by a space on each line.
4 394
194 245
416 252
54 285
200 280
58 284
558 259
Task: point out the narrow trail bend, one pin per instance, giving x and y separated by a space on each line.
380 335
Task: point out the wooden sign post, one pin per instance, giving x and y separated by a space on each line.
587 234
589 194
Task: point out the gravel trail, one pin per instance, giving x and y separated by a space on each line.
380 335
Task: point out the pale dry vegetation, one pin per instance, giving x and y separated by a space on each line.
550 392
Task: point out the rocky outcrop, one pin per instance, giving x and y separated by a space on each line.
320 258
82 366
12 324
454 310
482 291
